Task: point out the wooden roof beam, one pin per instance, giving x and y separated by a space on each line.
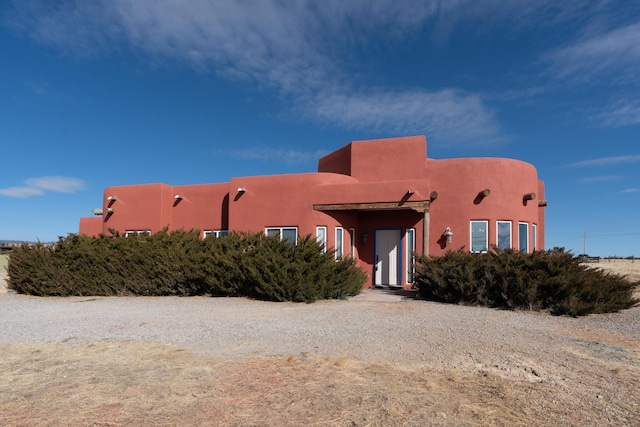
420 206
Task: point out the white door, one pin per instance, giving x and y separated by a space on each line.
387 257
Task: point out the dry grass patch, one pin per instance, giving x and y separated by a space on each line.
625 267
630 268
117 384
4 260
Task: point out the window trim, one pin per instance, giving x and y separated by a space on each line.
322 240
510 233
281 232
128 233
526 224
352 242
215 233
339 243
534 237
410 255
486 236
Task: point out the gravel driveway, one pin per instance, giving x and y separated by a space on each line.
595 358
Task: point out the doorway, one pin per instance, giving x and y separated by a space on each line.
387 257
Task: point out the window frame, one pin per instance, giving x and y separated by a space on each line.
352 242
510 234
526 235
128 233
322 239
215 233
486 236
281 232
339 243
534 237
410 244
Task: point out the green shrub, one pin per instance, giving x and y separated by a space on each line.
180 263
551 280
279 271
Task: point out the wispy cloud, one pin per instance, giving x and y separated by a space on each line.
607 161
41 185
302 50
461 116
620 113
631 190
614 50
599 179
298 49
281 155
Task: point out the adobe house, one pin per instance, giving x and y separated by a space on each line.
378 201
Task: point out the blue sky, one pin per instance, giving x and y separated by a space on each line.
118 92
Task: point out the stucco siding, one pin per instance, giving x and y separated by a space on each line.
460 183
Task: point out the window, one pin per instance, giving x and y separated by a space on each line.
216 233
479 236
523 237
533 237
410 238
503 238
339 242
289 234
352 242
138 232
321 237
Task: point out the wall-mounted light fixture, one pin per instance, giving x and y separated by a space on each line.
365 237
112 198
448 234
241 189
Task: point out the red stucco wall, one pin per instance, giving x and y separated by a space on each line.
137 207
337 162
202 207
458 183
91 226
389 159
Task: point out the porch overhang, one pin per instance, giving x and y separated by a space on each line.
421 206
418 206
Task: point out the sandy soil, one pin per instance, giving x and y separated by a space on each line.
373 360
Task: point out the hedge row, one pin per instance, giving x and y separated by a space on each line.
551 280
180 263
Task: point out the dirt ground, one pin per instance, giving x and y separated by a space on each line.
135 383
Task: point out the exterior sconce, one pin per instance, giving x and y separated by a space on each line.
112 198
365 237
177 197
448 234
241 189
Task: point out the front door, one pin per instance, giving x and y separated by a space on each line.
387 267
